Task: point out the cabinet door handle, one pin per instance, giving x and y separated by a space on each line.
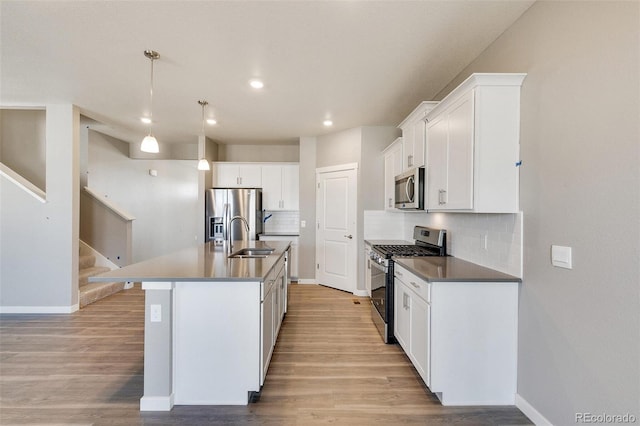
398 273
349 236
414 284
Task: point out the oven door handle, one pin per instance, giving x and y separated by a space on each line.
379 267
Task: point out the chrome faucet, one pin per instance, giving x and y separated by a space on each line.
246 226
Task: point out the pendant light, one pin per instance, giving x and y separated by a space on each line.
203 164
149 143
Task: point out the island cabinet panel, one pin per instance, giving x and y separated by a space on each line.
217 342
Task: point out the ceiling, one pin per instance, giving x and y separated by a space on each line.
358 63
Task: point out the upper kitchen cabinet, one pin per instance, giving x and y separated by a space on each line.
393 166
413 136
280 186
237 175
473 146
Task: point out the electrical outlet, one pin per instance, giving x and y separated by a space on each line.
155 313
303 224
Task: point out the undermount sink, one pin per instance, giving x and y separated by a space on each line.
252 253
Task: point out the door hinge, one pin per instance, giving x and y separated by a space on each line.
318 185
317 266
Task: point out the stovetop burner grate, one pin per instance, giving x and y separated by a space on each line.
406 250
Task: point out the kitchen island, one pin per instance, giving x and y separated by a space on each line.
211 322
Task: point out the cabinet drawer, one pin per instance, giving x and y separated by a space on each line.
270 280
420 286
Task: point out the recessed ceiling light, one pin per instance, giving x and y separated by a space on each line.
256 84
327 123
211 121
145 120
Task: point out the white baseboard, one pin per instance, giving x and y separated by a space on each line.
156 403
39 309
307 281
533 414
361 293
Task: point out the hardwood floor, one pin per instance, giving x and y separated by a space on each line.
329 366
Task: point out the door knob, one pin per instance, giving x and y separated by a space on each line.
349 236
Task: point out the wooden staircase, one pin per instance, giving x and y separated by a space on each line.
92 292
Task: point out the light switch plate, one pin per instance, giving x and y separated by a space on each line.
303 224
155 313
561 257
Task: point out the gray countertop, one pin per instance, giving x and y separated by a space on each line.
280 234
437 269
205 262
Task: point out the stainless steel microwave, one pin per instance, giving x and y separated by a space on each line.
409 189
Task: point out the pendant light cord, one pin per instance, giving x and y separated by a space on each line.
151 99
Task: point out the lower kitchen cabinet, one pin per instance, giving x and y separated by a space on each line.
411 318
293 251
460 336
272 310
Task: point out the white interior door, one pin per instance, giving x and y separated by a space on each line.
336 241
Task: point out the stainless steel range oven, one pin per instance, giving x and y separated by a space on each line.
428 242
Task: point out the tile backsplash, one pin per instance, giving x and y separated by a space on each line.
467 235
282 221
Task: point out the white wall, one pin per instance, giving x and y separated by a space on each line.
39 241
23 143
259 153
307 247
166 207
363 146
579 345
464 235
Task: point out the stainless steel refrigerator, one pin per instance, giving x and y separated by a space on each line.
222 204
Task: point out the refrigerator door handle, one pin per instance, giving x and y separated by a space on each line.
225 222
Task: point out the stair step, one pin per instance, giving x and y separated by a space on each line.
84 274
93 292
86 261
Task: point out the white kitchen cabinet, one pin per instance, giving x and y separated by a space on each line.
473 146
293 251
272 311
237 175
280 299
392 167
462 337
411 319
267 335
413 136
280 187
